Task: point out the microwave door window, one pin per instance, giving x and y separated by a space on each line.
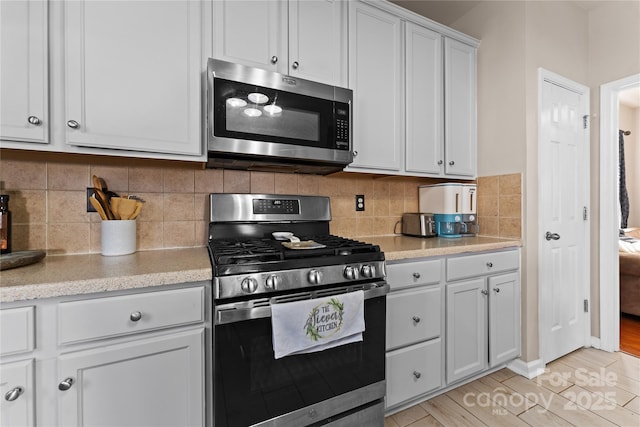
249 112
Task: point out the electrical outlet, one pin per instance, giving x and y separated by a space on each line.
359 202
90 207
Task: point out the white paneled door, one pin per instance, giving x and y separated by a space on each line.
563 220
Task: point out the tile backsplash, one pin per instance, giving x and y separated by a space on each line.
48 200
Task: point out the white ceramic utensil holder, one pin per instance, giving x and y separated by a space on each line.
118 237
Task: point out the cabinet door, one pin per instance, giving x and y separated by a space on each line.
466 329
460 108
252 33
24 88
152 382
504 318
424 107
17 394
318 40
375 76
132 75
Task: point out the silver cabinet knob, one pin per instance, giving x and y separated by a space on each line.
489 264
13 394
417 374
552 236
355 154
416 319
272 282
66 384
249 285
440 162
451 163
416 275
315 277
274 59
73 124
34 120
295 65
496 290
135 316
484 292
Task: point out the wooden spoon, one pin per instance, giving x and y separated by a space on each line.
126 208
102 198
96 204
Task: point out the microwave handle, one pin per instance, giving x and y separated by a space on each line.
236 312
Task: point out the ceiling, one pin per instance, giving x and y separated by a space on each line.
448 11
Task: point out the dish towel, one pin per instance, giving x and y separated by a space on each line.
317 324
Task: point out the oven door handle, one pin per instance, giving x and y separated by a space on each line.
237 312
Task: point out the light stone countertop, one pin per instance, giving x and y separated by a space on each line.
404 247
63 275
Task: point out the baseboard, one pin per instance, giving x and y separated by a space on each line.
527 369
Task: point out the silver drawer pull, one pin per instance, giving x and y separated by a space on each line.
417 374
135 316
416 319
73 124
13 394
66 384
489 264
484 292
34 120
496 290
416 275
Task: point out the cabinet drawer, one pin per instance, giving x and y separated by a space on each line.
17 406
477 265
413 273
111 316
17 330
413 316
413 371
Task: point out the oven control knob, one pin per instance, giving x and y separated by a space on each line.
273 281
249 285
368 271
315 277
351 272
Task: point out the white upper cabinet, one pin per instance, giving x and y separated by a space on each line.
302 38
460 109
133 75
423 100
414 88
375 75
24 77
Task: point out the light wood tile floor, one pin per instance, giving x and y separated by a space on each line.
586 388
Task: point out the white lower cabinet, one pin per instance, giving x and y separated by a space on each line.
110 359
414 359
449 319
151 382
483 313
17 407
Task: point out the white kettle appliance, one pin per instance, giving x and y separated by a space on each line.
454 207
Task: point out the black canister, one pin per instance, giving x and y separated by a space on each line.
5 224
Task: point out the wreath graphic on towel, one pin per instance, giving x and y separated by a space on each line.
325 319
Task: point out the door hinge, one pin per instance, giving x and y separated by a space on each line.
585 213
585 121
586 306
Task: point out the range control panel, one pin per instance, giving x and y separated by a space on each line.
276 206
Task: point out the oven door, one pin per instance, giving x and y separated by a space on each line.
253 388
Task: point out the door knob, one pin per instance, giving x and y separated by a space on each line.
552 236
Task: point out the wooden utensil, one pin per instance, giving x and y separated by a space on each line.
98 206
115 206
136 212
126 208
102 198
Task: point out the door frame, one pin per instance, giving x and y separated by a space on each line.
553 78
609 216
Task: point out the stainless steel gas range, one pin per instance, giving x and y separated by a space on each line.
253 271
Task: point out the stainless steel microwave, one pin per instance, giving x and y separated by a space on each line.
261 120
